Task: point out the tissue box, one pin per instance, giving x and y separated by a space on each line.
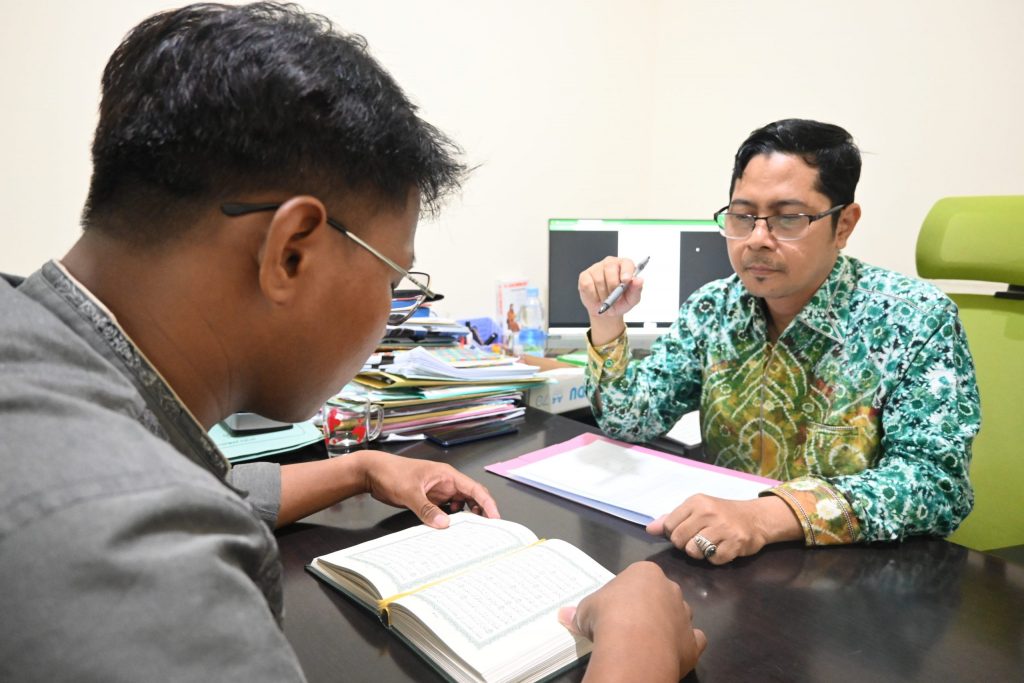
564 391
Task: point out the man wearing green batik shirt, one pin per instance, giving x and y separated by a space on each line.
850 384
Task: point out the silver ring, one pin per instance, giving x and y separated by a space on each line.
701 543
705 546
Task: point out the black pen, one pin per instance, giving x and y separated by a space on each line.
617 292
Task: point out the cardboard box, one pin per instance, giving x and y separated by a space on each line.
566 390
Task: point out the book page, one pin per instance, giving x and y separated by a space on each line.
628 479
504 613
407 559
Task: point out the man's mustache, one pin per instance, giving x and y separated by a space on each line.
761 264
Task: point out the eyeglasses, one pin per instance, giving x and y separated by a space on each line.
405 299
786 227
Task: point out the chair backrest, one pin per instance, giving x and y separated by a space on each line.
982 238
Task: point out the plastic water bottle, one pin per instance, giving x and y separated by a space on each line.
533 328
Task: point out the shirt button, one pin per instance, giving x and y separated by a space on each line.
608 363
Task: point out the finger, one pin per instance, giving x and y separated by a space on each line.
567 618
689 546
429 514
674 525
478 493
685 533
657 527
683 524
702 640
587 286
723 556
632 294
626 270
610 278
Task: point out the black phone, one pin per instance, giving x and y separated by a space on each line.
453 435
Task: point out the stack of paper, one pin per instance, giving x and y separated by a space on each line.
629 481
422 388
423 331
420 363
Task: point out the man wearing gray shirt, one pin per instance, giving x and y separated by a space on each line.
257 180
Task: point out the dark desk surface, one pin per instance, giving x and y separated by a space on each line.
922 610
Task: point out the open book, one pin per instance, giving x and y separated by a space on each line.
478 600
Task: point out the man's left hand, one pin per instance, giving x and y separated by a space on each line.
737 528
422 486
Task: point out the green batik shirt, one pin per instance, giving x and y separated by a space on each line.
865 407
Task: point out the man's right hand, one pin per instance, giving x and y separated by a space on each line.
641 627
596 283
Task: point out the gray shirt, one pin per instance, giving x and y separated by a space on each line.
129 549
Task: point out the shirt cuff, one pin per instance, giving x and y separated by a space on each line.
608 361
260 484
824 513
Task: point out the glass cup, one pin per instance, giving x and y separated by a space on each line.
349 423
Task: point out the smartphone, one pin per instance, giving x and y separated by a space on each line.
251 422
453 435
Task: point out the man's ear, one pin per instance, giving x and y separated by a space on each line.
291 245
848 218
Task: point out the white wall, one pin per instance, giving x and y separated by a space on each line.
613 108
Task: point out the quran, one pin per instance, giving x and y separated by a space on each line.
478 601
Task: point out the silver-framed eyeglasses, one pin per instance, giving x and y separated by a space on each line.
786 227
412 292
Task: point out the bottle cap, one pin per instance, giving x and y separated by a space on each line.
532 291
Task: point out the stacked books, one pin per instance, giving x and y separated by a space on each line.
423 388
423 329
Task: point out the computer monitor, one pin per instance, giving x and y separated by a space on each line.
685 254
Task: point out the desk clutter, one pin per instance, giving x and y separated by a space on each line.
424 388
426 374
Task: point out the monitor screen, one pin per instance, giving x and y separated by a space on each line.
685 254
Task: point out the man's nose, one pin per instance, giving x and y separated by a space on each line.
760 236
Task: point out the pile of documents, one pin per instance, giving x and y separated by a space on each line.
423 330
422 388
423 375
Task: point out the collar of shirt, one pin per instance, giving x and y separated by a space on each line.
97 326
827 313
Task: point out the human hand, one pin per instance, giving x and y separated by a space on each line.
423 485
597 282
641 626
736 527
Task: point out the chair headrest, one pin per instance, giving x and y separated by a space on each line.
973 238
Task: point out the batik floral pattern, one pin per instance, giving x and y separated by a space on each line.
865 407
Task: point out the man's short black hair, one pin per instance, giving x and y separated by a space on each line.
824 146
210 102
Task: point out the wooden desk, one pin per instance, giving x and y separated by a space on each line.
923 610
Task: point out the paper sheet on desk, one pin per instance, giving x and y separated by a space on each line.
632 482
242 447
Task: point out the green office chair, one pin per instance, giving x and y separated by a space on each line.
982 238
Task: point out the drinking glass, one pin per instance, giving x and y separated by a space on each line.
350 423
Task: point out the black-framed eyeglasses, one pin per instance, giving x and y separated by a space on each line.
411 293
785 227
